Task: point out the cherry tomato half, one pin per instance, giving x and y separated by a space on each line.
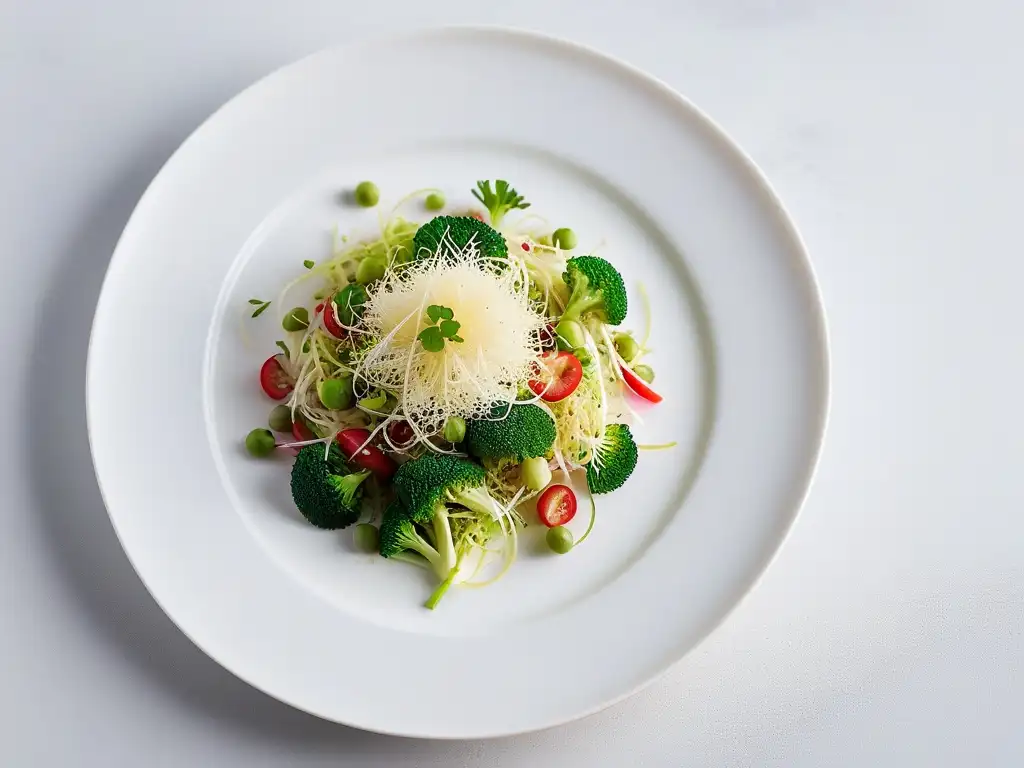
301 432
561 373
400 432
556 506
370 457
331 320
639 386
275 380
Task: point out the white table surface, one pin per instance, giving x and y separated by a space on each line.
891 630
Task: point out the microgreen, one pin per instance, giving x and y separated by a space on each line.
433 336
261 306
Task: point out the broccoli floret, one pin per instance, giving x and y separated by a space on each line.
327 494
525 433
461 231
597 290
425 487
614 460
398 535
427 484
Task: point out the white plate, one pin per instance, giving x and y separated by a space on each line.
642 176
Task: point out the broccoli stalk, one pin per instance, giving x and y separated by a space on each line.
425 487
326 493
597 290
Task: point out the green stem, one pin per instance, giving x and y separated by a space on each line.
441 590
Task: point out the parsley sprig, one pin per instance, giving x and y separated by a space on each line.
499 200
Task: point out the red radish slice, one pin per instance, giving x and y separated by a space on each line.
556 506
275 380
561 373
639 386
370 457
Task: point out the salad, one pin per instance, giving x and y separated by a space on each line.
450 377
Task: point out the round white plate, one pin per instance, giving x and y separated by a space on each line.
646 180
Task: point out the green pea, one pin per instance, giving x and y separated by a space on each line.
350 301
296 320
564 238
336 394
366 537
645 372
370 270
559 539
536 473
571 334
626 346
434 202
454 429
281 418
260 443
367 194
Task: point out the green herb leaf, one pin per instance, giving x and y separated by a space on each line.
449 328
431 339
284 348
499 200
457 339
261 309
256 301
308 263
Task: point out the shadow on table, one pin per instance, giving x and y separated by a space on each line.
78 533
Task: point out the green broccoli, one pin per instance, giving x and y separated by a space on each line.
461 230
597 290
425 487
399 538
434 480
326 492
525 433
614 460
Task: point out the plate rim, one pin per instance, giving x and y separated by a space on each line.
782 216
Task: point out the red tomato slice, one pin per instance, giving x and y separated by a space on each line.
639 386
556 506
301 432
560 375
331 320
370 457
275 380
